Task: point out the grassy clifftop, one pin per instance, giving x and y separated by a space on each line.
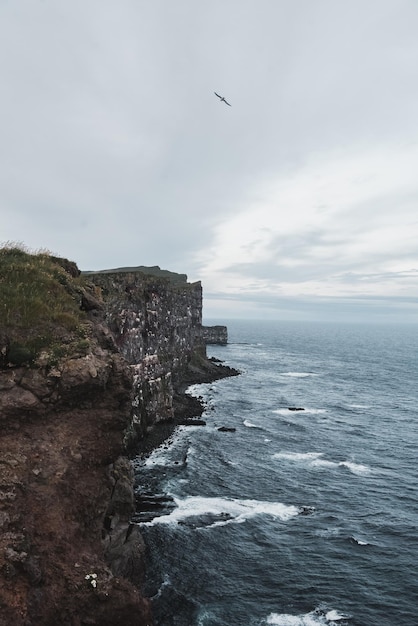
41 302
153 270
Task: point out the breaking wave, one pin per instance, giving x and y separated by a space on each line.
298 374
315 459
198 511
314 618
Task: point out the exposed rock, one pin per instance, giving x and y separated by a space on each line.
89 302
156 319
306 510
69 266
70 553
150 505
124 546
216 335
295 408
16 400
4 348
192 422
226 429
56 490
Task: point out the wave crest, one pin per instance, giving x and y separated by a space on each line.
196 511
314 618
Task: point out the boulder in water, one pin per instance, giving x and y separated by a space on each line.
306 510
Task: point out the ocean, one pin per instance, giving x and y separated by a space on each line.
303 510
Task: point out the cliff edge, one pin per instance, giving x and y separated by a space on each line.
65 403
89 367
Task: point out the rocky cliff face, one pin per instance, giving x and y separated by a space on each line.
68 552
215 335
66 493
157 324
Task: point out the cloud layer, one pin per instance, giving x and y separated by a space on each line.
298 200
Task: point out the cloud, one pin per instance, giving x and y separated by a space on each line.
115 151
343 224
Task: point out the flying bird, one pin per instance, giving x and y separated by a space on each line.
222 99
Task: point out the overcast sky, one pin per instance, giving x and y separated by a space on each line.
299 201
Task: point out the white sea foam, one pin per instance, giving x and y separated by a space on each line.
334 616
220 511
355 468
297 456
298 374
195 390
359 406
171 453
166 583
315 459
327 533
294 620
360 542
283 411
323 463
158 458
205 617
314 618
249 424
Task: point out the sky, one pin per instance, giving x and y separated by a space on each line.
297 202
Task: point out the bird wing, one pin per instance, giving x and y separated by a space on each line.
227 103
216 94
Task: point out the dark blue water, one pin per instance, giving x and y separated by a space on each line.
298 518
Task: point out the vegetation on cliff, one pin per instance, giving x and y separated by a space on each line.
68 552
153 270
42 298
85 360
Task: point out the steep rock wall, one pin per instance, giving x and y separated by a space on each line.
157 324
215 335
68 552
66 495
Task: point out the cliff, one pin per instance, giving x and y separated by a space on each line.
156 320
89 365
215 335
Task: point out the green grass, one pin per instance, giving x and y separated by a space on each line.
153 270
40 298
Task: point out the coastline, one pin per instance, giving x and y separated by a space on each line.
188 409
95 377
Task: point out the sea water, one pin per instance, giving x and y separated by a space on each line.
298 517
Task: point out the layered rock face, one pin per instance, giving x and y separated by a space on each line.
157 324
215 335
68 552
61 508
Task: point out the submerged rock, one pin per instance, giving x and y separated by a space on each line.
149 506
191 422
205 519
306 510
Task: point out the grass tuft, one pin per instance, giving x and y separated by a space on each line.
40 298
